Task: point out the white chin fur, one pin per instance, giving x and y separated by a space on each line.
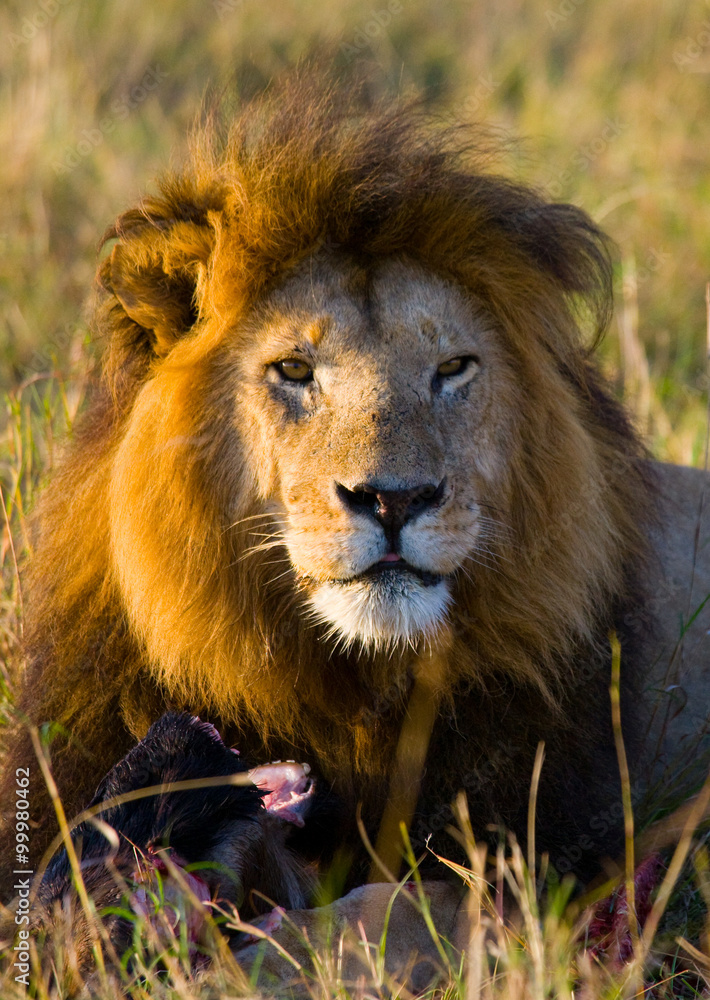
381 612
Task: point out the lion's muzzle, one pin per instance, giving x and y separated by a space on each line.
385 589
392 508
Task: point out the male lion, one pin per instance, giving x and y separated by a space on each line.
350 434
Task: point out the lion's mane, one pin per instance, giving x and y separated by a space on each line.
220 635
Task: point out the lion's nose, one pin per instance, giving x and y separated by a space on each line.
392 508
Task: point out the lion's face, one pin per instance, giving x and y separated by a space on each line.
378 402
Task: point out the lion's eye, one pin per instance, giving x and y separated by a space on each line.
294 370
454 367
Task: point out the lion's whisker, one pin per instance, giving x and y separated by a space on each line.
490 506
249 517
261 547
257 550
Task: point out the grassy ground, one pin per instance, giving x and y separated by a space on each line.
527 940
611 104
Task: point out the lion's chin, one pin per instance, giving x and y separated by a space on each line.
382 610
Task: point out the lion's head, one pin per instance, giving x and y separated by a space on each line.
378 408
349 410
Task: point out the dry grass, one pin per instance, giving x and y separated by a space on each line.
528 939
94 97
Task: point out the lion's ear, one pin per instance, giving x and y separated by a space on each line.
157 268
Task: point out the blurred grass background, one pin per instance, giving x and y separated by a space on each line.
612 102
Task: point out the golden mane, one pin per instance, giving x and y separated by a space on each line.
303 170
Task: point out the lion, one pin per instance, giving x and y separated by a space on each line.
351 437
